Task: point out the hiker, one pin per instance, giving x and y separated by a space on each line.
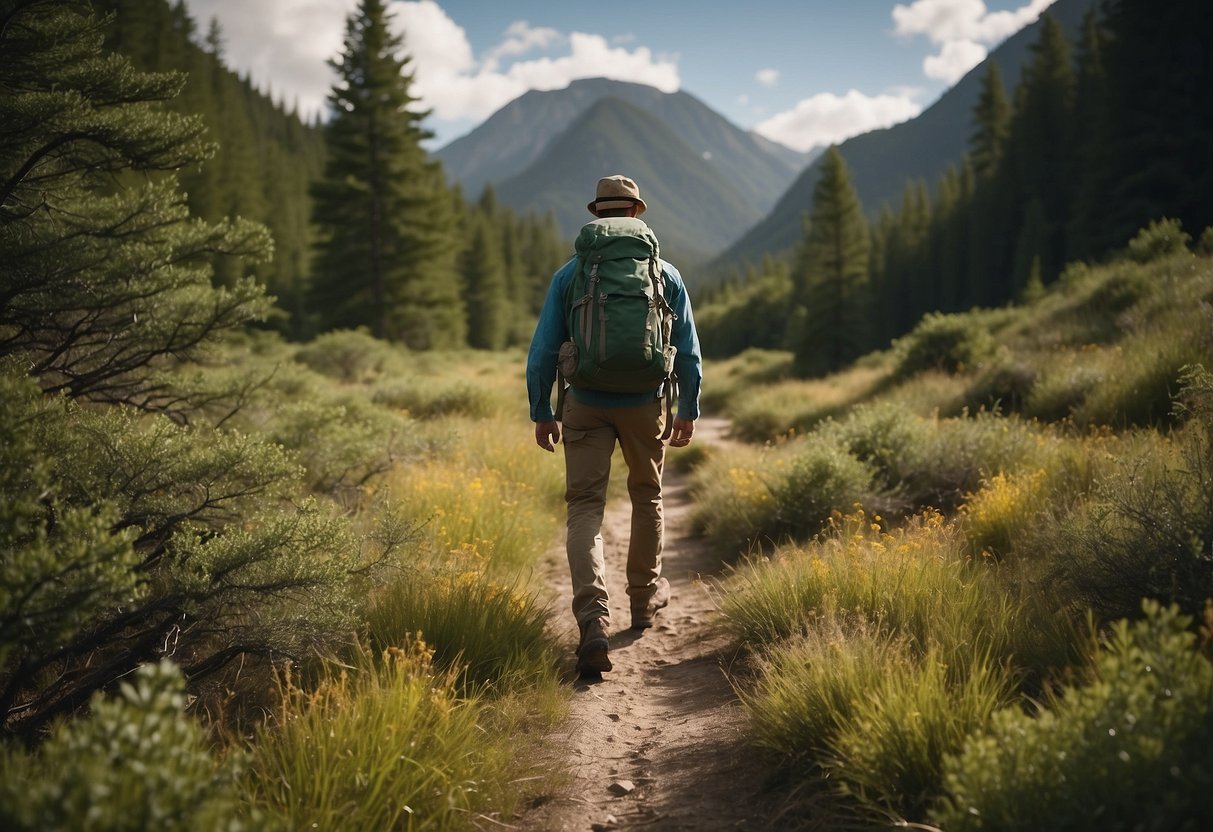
622 394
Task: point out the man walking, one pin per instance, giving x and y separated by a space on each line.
608 402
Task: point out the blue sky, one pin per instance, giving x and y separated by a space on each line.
803 73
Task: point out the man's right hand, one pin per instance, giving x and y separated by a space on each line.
547 435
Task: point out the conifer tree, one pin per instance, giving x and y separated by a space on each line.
831 275
1092 127
1038 150
386 257
485 286
1160 152
991 121
101 284
125 537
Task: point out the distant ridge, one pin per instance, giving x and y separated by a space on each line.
693 212
882 161
526 139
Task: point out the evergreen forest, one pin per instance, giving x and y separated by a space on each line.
1099 138
276 543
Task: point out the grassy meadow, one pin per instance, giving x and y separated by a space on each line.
937 566
941 554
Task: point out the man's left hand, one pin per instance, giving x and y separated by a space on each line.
684 429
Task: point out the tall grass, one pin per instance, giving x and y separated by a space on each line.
384 744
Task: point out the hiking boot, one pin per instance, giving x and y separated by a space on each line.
642 613
592 652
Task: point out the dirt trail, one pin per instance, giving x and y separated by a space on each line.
665 721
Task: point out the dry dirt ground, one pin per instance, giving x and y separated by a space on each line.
659 742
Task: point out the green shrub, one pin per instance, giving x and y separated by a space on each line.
885 437
945 342
921 463
1204 246
431 398
818 480
1159 239
164 537
349 355
343 442
136 763
1148 526
1132 750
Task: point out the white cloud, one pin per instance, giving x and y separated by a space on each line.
826 118
281 44
962 29
520 39
955 58
284 45
768 77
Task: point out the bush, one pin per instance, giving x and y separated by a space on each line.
431 398
1148 527
163 538
349 355
1133 750
136 763
818 480
944 342
1159 239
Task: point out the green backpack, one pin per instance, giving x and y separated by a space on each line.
618 319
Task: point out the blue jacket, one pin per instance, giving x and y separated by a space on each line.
552 331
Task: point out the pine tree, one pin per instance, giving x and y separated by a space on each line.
484 277
1038 150
831 276
1092 128
386 257
1160 151
101 284
991 121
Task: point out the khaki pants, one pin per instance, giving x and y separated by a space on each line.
590 434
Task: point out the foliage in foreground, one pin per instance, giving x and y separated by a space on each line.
137 763
1130 750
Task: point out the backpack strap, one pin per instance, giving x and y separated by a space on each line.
670 384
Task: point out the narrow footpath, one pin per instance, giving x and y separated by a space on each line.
659 742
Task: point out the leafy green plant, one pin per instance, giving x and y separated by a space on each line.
945 342
137 762
350 355
1160 238
1131 750
1148 525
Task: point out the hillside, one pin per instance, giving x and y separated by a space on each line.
882 161
692 210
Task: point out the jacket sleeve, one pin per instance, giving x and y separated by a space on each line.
550 332
688 363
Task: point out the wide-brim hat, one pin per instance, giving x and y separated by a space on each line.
616 192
